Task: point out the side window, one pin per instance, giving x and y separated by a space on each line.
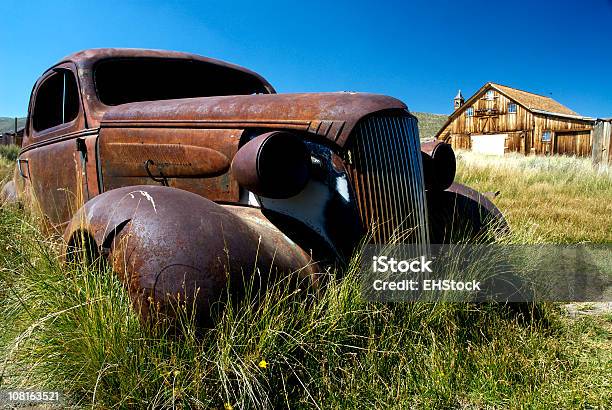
546 136
469 112
511 108
490 95
57 101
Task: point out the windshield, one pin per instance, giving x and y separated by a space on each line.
120 81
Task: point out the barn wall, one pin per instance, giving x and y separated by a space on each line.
481 123
576 142
498 121
524 128
460 141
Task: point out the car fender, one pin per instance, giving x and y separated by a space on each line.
168 244
461 213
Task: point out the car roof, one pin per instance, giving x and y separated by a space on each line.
85 59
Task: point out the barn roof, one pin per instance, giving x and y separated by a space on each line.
533 101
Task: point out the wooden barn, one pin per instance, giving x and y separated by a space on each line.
499 119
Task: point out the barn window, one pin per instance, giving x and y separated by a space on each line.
546 136
489 96
511 108
470 112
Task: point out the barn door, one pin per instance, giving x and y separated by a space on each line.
573 143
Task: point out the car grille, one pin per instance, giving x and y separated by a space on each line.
385 166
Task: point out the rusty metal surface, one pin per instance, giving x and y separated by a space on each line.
168 245
329 115
89 167
461 214
85 61
82 64
54 179
170 160
210 123
478 198
202 156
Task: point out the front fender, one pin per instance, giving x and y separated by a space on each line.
461 214
168 244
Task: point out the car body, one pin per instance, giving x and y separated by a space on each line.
182 171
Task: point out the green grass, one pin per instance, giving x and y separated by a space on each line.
9 152
72 328
6 168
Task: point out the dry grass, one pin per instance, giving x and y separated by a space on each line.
546 199
72 328
6 168
9 152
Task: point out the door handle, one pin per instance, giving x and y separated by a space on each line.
21 168
81 147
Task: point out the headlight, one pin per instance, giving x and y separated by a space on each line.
273 165
439 165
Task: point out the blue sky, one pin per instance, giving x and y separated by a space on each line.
420 52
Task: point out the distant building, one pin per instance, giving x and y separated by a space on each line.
499 119
10 138
7 138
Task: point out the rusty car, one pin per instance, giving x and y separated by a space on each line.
186 173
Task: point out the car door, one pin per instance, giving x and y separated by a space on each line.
52 163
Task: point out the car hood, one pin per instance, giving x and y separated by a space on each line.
330 115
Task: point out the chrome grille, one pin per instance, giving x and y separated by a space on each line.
386 173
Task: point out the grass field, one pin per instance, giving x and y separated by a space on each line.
72 328
546 199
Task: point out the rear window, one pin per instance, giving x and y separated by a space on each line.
120 81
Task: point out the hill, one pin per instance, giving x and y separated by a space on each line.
429 124
7 124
